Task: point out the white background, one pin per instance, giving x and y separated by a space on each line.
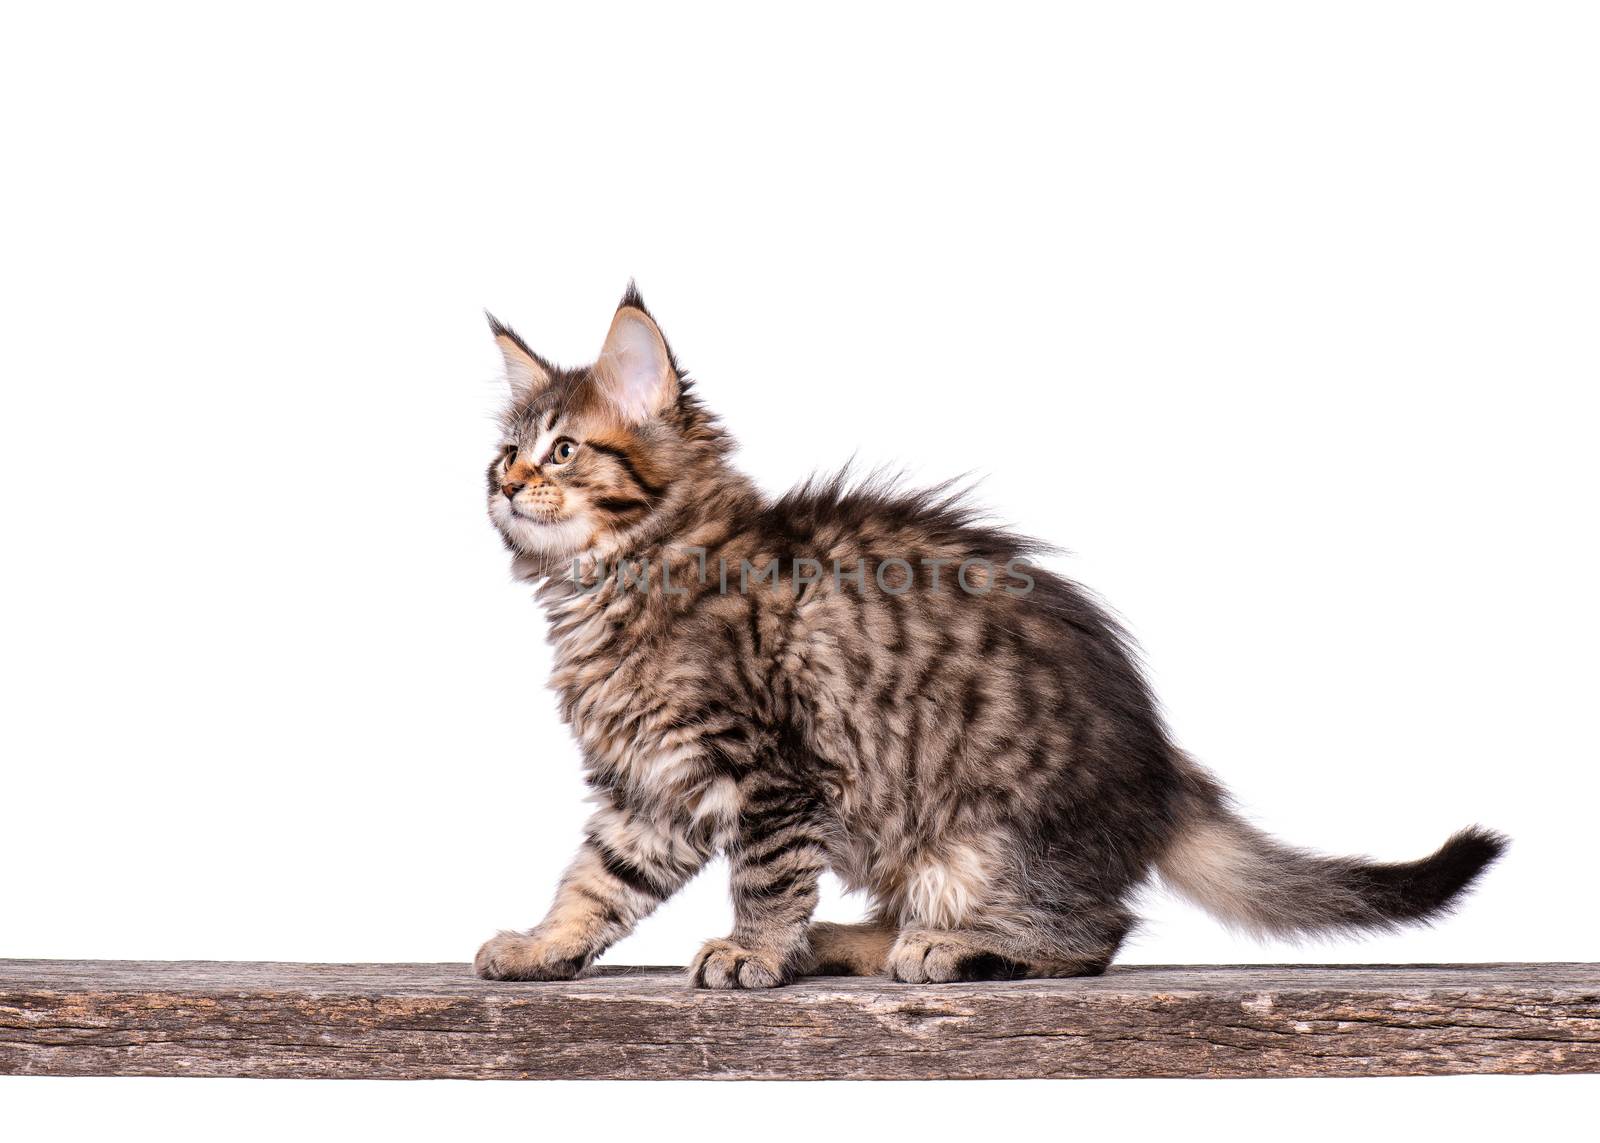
1280 317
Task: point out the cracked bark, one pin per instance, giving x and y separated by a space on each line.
407 1021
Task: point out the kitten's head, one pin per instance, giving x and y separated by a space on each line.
592 457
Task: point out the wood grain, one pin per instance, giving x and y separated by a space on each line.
435 1021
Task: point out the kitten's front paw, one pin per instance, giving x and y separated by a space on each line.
933 956
524 956
723 964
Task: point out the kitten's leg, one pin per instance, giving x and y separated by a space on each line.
848 950
624 869
777 856
1046 945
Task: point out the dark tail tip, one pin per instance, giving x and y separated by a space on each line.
1473 850
1418 890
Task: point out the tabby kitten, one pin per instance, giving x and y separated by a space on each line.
864 680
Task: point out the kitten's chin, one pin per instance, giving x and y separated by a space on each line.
555 539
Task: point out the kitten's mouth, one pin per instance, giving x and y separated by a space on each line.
542 518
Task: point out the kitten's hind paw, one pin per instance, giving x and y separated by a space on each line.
520 956
724 964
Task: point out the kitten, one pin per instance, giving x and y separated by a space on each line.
864 680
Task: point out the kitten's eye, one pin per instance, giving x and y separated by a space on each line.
508 453
563 451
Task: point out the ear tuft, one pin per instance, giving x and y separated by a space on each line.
632 298
635 373
526 371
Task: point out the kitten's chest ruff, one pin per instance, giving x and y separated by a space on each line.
619 695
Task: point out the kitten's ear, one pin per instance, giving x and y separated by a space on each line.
635 373
526 371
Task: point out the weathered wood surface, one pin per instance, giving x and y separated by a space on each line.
427 1021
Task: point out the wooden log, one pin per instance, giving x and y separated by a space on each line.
435 1021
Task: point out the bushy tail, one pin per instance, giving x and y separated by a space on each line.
1251 881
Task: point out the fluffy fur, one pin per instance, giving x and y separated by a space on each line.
960 734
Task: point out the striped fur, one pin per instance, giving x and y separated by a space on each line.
985 762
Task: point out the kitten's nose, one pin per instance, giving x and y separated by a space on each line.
510 489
